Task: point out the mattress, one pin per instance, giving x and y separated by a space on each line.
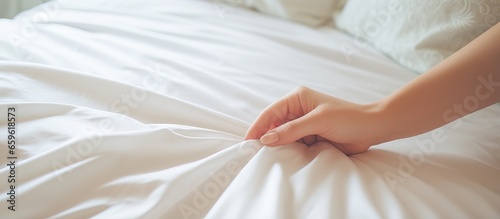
137 109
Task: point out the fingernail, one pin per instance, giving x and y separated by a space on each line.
269 138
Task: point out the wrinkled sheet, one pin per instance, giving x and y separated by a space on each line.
137 109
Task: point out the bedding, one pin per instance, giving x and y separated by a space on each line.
137 109
418 34
9 8
313 12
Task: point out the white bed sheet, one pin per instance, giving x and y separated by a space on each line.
137 109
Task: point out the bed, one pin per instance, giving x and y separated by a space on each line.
138 109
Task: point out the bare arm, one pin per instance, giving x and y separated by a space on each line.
465 82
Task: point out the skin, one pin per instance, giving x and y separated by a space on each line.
465 82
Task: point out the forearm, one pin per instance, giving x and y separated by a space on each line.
467 81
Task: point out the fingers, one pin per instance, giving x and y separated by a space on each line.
291 131
268 119
288 119
285 109
312 116
265 121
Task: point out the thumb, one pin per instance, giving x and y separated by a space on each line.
291 131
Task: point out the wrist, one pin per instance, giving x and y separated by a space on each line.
382 122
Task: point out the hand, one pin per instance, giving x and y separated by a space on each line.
308 116
429 101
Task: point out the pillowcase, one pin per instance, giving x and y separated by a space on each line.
418 33
10 8
309 12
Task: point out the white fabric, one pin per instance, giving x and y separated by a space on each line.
137 109
9 8
418 34
312 12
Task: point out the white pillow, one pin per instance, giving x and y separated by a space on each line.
418 33
9 8
309 12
